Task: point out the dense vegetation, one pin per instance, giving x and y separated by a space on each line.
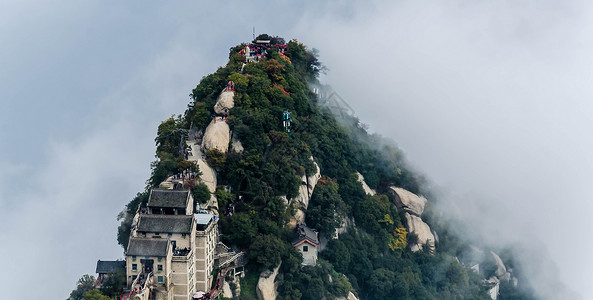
372 259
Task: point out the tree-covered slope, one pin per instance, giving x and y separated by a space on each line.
372 258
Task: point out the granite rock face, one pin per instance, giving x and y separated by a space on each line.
365 186
408 201
267 289
307 186
425 237
217 136
224 103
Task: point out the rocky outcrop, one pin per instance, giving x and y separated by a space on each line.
493 286
217 136
236 145
266 287
298 218
351 296
425 237
408 201
307 186
413 207
365 186
224 103
346 222
501 271
229 291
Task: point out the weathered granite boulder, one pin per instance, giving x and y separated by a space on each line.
493 286
351 296
365 186
408 201
501 270
224 103
307 186
416 225
236 144
266 287
217 136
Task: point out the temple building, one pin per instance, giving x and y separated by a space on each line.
171 250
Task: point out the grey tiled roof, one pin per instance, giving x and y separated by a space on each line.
147 247
109 266
165 223
305 233
168 198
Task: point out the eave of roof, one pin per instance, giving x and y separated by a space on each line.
295 244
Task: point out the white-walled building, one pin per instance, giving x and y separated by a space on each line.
307 241
174 245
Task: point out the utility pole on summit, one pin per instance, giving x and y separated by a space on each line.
254 33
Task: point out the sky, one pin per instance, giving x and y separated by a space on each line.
489 99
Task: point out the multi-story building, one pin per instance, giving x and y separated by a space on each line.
173 246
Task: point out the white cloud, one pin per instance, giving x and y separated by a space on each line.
491 100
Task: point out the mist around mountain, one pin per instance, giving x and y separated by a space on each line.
376 254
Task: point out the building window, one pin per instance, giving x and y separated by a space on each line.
134 267
160 278
169 234
305 248
183 235
160 258
134 258
160 268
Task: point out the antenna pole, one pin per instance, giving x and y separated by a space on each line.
254 33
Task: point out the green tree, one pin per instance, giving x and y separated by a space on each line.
169 135
326 208
238 230
126 217
215 158
267 250
381 284
113 284
241 82
201 193
84 284
94 295
338 254
201 115
224 198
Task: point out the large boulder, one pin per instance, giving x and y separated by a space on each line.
224 103
425 237
217 136
501 270
408 201
266 287
365 186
